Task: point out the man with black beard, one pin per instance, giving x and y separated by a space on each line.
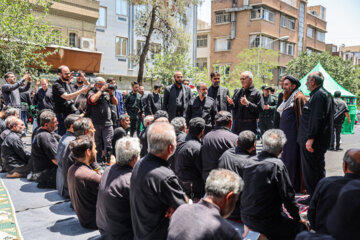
177 97
154 101
81 82
220 94
63 97
290 111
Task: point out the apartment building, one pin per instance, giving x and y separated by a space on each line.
203 45
117 40
75 20
347 53
287 26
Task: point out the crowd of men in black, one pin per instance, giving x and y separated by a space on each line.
193 164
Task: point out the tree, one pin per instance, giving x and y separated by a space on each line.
259 61
24 36
161 19
344 72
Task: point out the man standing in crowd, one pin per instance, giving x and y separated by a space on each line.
290 111
63 97
143 135
113 216
43 99
340 111
267 188
247 105
81 100
316 125
177 97
119 96
205 219
189 161
154 189
179 124
14 157
154 101
25 106
121 131
99 110
327 191
203 107
80 81
11 89
216 142
134 106
266 118
219 93
84 181
278 102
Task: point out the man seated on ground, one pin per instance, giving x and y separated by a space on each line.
154 189
235 159
143 135
4 134
267 188
327 191
205 219
188 161
121 131
43 151
113 216
15 158
84 181
63 143
82 126
179 124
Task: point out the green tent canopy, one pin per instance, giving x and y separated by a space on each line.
329 83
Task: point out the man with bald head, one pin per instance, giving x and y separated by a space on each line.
177 97
327 191
314 135
247 104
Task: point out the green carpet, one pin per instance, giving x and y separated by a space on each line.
8 224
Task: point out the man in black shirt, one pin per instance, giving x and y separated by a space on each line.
247 104
220 94
202 106
179 124
121 131
205 219
314 135
63 97
154 101
154 189
189 161
43 151
267 188
11 89
143 135
113 216
43 98
327 191
99 110
14 157
177 97
134 108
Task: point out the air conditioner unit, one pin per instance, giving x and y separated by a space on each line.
87 44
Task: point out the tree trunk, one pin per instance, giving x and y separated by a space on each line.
146 47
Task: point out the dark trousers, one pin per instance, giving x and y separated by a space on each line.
313 166
103 140
335 136
61 126
246 125
134 125
266 124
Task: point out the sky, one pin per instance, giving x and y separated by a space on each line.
343 19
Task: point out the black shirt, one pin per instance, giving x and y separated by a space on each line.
59 88
198 221
99 111
13 152
205 109
153 103
235 159
340 108
179 101
143 142
324 199
119 132
214 95
113 202
255 107
43 150
83 190
154 189
180 140
44 99
133 104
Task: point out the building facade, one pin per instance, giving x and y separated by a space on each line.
238 25
347 53
203 45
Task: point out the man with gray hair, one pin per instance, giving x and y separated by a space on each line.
267 188
143 135
327 191
205 219
113 216
99 110
154 189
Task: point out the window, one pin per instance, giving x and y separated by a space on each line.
262 13
282 71
57 36
121 46
291 23
282 47
201 63
309 51
72 39
121 7
309 32
290 49
254 41
283 21
222 17
222 44
224 70
268 15
320 36
261 41
101 22
334 49
255 13
202 41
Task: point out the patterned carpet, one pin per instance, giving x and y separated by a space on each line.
8 224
